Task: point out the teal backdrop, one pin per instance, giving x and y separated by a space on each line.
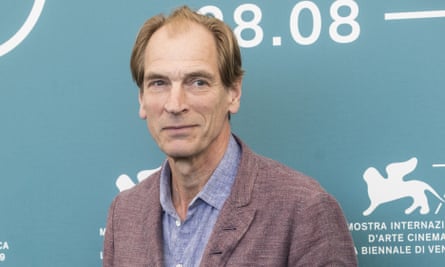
340 90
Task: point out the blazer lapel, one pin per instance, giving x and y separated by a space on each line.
152 226
226 235
236 215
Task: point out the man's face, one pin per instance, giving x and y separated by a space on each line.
183 99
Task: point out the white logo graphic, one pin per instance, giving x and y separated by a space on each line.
26 28
382 190
124 181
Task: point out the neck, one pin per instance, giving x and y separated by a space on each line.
189 175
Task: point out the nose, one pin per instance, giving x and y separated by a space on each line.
176 100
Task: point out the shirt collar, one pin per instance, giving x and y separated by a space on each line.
217 188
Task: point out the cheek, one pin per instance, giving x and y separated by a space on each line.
212 107
147 111
151 108
219 111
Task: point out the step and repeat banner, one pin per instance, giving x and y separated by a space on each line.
349 92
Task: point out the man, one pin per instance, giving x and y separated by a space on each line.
214 202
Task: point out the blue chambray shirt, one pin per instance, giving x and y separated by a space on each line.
184 242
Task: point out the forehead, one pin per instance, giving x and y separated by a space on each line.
189 43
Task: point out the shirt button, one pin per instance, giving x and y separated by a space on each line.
178 223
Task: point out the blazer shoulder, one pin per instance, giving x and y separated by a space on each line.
275 171
137 196
268 177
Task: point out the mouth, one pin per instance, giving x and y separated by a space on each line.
178 129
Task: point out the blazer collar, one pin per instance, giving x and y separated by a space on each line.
245 179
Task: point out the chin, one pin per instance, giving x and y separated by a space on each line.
179 154
178 151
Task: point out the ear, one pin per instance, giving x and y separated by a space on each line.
142 112
235 96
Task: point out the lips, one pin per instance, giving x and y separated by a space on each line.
178 130
178 127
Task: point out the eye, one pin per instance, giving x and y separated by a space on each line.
200 82
156 84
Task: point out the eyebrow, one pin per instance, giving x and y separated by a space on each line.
203 74
193 74
154 76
